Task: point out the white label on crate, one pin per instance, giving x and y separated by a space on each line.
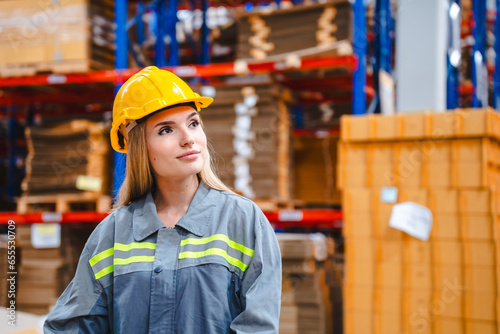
86 182
412 218
51 217
389 195
46 235
290 215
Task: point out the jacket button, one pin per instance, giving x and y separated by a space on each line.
157 270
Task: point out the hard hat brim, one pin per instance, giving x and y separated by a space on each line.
200 102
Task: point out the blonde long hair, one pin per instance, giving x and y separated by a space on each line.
139 178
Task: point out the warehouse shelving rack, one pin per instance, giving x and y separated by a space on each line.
355 64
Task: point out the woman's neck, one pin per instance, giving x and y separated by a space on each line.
175 196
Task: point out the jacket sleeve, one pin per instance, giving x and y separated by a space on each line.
261 285
82 307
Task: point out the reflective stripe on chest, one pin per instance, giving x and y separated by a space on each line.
219 245
104 262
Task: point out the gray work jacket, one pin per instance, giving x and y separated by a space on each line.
217 271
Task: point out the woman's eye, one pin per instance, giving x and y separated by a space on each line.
195 123
165 130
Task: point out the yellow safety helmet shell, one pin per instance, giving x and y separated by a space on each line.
144 93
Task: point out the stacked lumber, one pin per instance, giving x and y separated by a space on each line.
249 129
305 300
44 273
56 36
316 28
449 163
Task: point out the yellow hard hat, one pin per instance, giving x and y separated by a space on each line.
144 93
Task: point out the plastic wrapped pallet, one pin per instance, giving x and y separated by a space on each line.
448 163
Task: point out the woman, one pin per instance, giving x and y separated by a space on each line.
180 253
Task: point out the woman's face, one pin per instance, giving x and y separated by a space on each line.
177 145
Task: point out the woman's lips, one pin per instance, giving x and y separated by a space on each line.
189 156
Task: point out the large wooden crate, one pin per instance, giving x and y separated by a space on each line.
55 36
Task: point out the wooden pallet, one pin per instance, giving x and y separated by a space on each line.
85 201
274 205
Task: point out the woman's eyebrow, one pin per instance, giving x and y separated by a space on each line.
172 122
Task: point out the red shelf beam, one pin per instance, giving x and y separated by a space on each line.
120 76
283 218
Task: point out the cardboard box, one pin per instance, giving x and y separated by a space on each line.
387 323
437 151
352 176
469 175
388 301
352 154
417 276
357 225
416 305
476 227
381 228
480 306
359 249
475 122
412 125
448 304
354 128
388 275
381 175
468 150
437 175
443 201
384 127
480 279
445 227
418 196
417 251
381 153
389 251
360 274
356 200
479 253
474 201
483 327
442 324
447 252
448 278
409 161
441 125
358 322
358 298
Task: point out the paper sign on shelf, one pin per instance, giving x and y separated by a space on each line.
414 219
46 235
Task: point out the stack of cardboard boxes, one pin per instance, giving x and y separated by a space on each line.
449 163
248 126
306 307
44 273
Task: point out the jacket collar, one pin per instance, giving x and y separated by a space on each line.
196 220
